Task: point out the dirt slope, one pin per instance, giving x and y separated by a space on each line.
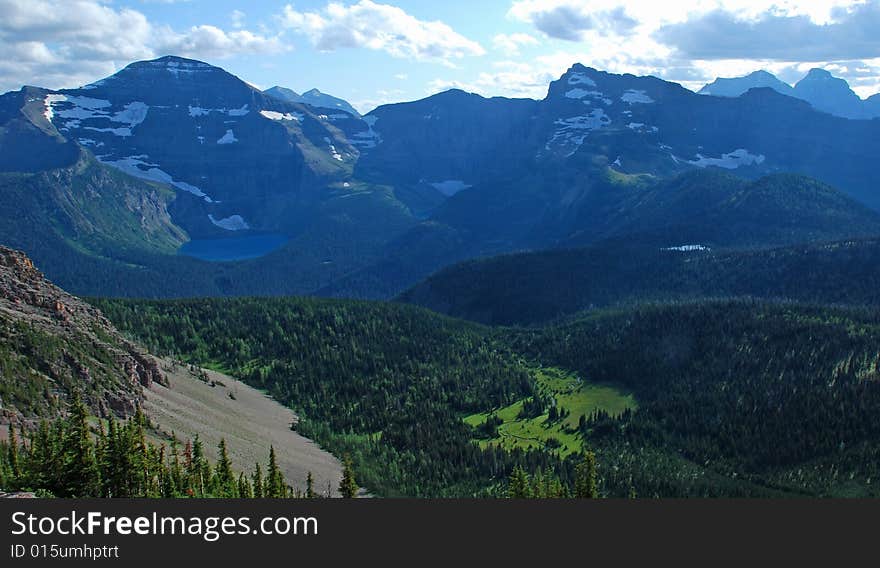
250 423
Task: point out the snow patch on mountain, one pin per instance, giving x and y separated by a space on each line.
730 161
687 248
228 138
196 111
451 186
121 132
580 79
572 131
632 96
273 115
232 223
370 138
49 102
135 166
642 127
133 114
333 153
79 109
577 93
178 67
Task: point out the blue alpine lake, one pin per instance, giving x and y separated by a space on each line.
233 248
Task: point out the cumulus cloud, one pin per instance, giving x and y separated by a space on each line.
210 41
719 34
510 44
571 19
63 43
694 42
507 78
380 27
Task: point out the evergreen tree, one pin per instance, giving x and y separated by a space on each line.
275 487
12 451
310 486
198 472
586 484
348 487
68 459
81 474
519 485
244 487
257 480
225 478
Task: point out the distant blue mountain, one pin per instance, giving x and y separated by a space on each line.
819 88
314 98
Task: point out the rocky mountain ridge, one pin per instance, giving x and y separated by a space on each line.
55 343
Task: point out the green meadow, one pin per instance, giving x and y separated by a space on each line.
573 398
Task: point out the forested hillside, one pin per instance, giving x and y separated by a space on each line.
531 288
777 396
733 398
388 384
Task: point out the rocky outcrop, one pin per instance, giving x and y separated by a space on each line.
58 344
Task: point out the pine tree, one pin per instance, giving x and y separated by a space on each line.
310 486
518 487
275 487
586 484
348 487
82 478
244 487
257 480
225 477
12 457
176 473
197 469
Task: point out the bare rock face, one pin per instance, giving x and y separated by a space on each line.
56 344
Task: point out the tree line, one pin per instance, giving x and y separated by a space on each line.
71 457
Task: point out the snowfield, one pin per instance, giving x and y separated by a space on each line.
730 161
132 166
228 138
232 223
633 96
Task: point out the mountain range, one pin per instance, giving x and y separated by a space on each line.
313 97
175 178
682 285
819 88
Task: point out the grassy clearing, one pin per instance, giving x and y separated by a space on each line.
572 395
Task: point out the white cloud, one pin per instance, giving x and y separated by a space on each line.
506 78
382 97
210 41
237 17
510 44
571 20
850 34
64 43
694 42
380 27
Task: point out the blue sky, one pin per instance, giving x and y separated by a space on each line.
372 52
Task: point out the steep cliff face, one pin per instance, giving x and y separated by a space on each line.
53 344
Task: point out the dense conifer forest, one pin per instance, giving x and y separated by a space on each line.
735 397
74 457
